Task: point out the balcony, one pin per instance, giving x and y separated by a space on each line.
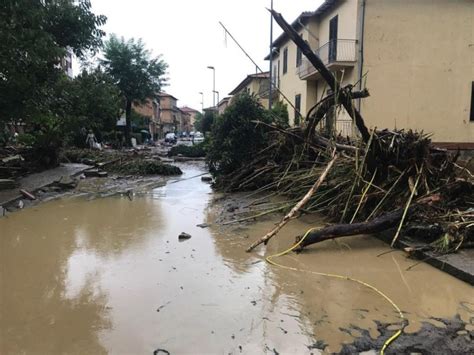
336 54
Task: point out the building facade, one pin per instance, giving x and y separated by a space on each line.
151 110
416 58
222 105
170 115
256 84
192 116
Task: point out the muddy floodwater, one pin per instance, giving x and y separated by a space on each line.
109 275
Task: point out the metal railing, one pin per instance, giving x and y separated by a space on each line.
335 51
343 127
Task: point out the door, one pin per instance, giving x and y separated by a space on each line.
333 39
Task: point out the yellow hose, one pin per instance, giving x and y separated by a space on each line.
373 288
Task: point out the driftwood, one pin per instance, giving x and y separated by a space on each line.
379 224
296 208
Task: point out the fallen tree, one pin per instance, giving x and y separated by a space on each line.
388 179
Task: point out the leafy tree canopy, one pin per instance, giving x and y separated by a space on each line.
235 137
35 35
137 74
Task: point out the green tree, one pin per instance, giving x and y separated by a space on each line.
207 121
198 122
235 137
280 114
34 36
90 101
137 74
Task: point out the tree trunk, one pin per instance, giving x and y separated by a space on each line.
345 100
376 225
128 123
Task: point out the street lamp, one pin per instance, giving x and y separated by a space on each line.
217 93
202 101
213 84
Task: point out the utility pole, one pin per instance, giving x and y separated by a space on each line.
270 91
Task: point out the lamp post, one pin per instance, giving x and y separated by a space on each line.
213 84
202 101
217 93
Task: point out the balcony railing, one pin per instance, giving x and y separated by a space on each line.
335 51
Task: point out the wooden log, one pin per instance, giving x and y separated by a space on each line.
377 225
27 194
296 208
325 73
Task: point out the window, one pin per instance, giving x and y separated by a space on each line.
297 109
274 75
472 103
278 76
285 60
299 57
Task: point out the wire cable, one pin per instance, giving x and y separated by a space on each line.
269 259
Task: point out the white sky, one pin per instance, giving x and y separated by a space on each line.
188 34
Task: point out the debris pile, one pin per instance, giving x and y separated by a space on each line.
121 162
389 179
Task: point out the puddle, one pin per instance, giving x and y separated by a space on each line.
110 276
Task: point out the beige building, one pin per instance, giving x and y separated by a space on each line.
416 58
192 117
150 110
222 105
170 115
256 84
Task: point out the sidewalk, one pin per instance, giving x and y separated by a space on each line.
33 182
459 264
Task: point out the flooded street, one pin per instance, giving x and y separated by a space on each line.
109 275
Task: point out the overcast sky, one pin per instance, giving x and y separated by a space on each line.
188 35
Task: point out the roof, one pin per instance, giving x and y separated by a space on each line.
165 94
248 79
188 109
301 20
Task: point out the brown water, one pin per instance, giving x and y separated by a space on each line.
110 276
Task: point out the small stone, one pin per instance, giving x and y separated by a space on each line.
206 178
202 225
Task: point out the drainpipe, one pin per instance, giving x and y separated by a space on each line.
361 49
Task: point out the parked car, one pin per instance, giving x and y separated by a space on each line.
171 138
198 138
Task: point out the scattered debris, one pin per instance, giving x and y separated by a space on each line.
27 194
184 235
6 184
95 173
132 162
388 179
66 182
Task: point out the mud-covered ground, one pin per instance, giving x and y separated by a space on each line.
102 270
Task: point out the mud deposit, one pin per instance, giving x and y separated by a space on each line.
110 275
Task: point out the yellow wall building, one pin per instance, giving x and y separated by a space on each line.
416 58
